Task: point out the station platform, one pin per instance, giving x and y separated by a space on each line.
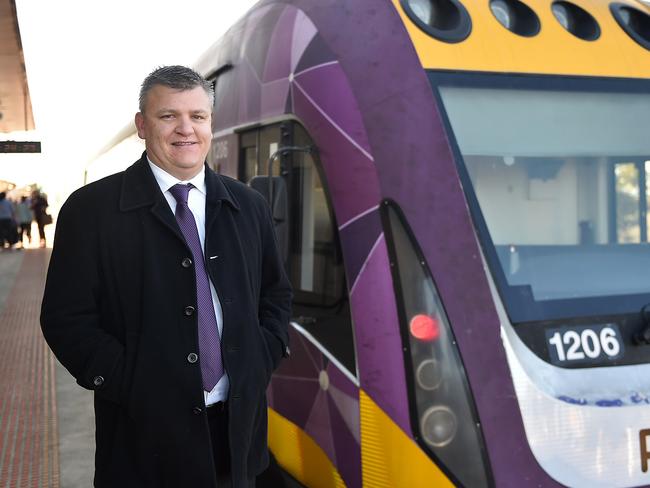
46 419
47 424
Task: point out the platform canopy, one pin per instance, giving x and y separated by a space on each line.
15 103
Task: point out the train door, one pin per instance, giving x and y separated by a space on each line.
314 394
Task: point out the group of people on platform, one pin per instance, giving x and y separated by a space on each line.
16 219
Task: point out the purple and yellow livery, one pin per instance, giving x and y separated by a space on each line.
461 189
438 353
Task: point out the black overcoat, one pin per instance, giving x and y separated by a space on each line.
115 314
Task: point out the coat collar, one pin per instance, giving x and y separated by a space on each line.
216 191
139 188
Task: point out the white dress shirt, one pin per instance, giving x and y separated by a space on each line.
196 202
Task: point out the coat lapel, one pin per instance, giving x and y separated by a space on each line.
216 194
140 189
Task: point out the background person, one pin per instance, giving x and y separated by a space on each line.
24 218
170 301
7 223
39 207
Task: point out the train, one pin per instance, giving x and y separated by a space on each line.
460 190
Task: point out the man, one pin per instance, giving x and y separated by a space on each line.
170 301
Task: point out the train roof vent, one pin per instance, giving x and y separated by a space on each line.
516 16
576 20
634 22
446 20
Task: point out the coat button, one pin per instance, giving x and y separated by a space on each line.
98 380
189 310
192 357
186 262
197 410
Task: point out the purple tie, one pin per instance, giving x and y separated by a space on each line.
209 341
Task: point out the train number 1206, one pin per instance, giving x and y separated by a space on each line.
584 344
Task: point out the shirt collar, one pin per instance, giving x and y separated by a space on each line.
166 181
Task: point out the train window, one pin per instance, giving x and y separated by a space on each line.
560 182
321 302
632 198
256 147
248 144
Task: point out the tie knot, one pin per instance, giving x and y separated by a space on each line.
180 192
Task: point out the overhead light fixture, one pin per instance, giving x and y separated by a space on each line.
445 20
635 22
576 20
516 16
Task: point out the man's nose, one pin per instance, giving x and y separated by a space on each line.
184 126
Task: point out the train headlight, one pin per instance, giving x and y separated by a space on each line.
444 418
428 374
438 426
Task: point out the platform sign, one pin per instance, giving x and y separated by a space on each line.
20 147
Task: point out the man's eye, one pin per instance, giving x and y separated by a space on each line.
200 117
166 116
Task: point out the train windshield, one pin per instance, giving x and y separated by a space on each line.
557 172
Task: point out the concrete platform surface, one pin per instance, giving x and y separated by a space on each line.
46 419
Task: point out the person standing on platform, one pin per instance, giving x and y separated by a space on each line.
7 222
39 207
24 217
167 296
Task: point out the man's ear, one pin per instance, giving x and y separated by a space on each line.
139 124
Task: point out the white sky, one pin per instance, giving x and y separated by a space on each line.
85 61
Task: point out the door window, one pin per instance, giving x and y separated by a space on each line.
315 262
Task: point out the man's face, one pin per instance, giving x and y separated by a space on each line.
176 126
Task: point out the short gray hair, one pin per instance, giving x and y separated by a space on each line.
175 77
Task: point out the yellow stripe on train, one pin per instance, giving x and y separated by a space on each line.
389 457
299 455
491 47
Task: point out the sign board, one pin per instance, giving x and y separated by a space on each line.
20 147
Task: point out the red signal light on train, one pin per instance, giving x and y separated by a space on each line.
424 328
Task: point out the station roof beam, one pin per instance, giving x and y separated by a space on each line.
15 103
